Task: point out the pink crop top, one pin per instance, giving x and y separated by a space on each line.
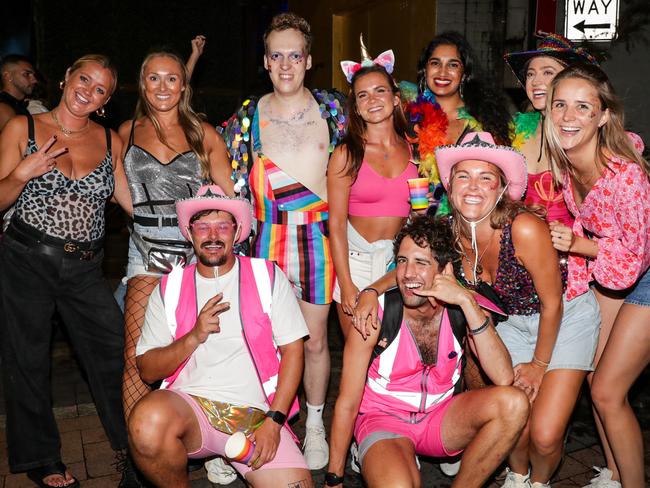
373 195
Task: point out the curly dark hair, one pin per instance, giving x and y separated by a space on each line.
434 232
483 102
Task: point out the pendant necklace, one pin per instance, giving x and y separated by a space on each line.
479 267
64 130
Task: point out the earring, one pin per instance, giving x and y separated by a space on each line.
423 82
461 88
101 112
61 84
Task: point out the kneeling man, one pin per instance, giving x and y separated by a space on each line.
403 378
226 337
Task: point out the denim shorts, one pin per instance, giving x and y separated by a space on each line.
640 291
576 341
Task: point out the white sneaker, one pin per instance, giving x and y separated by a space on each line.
220 472
450 469
354 457
315 448
603 479
537 484
515 480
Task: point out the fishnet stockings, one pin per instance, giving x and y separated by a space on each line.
137 297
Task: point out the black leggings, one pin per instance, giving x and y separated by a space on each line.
32 285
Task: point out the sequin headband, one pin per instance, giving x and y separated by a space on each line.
385 59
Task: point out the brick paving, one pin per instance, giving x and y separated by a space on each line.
89 457
86 451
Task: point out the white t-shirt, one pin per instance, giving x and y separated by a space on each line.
221 368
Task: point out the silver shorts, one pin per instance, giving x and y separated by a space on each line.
576 341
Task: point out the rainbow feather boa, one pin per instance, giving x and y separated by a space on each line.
428 125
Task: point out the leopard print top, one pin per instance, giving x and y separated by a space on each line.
66 208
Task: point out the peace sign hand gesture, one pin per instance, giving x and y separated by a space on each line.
39 162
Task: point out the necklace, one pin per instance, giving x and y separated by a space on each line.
590 179
479 267
64 130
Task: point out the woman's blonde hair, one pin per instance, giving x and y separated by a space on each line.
612 138
189 120
101 60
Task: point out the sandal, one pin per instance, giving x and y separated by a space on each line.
37 475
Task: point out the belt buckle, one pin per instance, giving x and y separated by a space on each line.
70 247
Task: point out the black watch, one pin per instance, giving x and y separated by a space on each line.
332 479
277 417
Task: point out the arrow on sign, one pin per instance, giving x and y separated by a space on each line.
581 26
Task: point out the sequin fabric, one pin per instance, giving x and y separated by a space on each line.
513 283
236 132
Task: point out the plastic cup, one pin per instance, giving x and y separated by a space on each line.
239 448
418 189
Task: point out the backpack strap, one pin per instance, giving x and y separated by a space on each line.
459 329
458 322
391 321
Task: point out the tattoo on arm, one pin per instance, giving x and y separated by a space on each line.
299 484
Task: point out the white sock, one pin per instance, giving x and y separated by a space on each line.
314 415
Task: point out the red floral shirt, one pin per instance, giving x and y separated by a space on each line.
616 211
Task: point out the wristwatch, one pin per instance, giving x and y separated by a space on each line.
332 479
277 417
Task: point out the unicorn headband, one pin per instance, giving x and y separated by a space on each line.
385 59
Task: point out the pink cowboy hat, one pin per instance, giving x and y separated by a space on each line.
211 197
480 146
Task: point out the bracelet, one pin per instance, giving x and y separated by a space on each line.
482 328
331 479
369 288
540 363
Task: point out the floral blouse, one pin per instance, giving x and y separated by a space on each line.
616 211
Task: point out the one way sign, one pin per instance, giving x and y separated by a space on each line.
591 19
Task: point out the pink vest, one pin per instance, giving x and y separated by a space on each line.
399 381
256 278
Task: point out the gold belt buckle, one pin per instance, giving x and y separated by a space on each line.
70 247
